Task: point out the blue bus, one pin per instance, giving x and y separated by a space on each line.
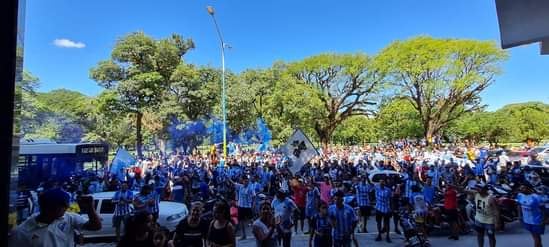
41 161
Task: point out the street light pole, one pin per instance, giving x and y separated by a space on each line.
223 87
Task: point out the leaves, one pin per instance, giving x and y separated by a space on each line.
442 78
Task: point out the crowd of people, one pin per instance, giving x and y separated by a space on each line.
330 199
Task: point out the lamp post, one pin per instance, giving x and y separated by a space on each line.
223 88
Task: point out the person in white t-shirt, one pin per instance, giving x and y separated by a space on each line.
53 226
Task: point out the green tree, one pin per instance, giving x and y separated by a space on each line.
442 78
397 118
292 104
492 127
111 123
530 120
261 83
348 86
25 103
357 130
194 90
139 71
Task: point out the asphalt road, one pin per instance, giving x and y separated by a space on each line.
514 236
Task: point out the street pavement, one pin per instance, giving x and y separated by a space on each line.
514 236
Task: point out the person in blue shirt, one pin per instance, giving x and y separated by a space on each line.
178 190
383 209
245 195
343 219
429 191
434 173
531 205
147 201
284 208
321 228
312 201
408 184
363 189
122 200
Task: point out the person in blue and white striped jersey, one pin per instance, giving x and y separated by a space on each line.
147 201
245 196
343 220
363 189
122 210
383 209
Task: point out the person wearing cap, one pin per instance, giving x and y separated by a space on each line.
344 221
53 226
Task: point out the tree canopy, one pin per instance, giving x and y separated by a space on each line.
419 87
442 78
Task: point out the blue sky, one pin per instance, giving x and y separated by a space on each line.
262 32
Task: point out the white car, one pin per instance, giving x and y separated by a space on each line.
376 175
169 215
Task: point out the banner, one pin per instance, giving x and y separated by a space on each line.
299 150
121 161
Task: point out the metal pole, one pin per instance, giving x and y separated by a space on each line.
224 102
224 90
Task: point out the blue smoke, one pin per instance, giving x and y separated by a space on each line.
265 135
189 134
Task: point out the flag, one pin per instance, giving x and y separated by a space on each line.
121 161
299 150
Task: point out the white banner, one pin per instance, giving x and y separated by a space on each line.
299 150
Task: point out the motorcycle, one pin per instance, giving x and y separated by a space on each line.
439 220
413 237
506 204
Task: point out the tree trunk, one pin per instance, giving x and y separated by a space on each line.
139 135
325 135
429 132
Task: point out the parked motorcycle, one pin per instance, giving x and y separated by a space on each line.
413 237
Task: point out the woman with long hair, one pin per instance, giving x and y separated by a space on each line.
221 230
264 228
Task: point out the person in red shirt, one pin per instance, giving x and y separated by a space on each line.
450 210
300 192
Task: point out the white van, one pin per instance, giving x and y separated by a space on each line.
169 215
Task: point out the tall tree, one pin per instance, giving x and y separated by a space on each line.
111 123
492 127
194 90
348 83
139 71
397 119
530 120
442 78
357 130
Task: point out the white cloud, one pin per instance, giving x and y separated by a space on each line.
67 43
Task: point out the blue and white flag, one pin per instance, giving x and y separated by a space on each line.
299 150
121 161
